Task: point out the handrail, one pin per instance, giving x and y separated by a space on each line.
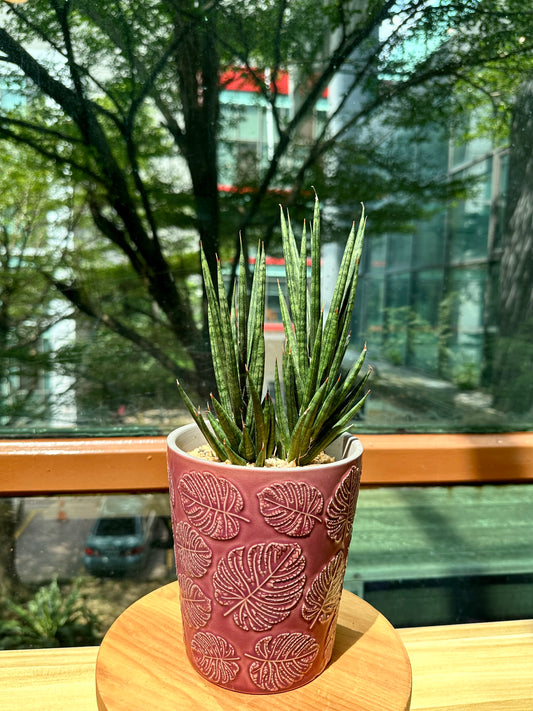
41 467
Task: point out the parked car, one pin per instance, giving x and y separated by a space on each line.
121 539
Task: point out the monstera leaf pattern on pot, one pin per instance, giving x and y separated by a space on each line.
322 599
171 492
212 504
260 584
341 508
291 507
281 661
193 555
215 657
195 605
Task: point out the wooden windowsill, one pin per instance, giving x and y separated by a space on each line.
458 668
139 463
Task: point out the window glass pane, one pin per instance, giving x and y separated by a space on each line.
132 133
430 241
399 250
84 558
397 317
425 336
193 127
74 554
469 221
427 574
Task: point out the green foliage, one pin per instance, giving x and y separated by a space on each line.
466 375
312 403
27 211
122 104
49 619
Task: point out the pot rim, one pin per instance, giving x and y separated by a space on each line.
347 439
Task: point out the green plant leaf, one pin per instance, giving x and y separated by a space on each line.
230 429
229 348
215 335
300 319
258 413
270 427
280 411
241 308
290 255
291 393
247 449
313 401
301 436
210 438
256 326
332 434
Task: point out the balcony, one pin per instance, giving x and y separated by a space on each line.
485 666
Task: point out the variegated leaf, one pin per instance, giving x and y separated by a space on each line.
212 504
341 509
193 555
323 597
260 584
279 662
215 657
195 605
291 507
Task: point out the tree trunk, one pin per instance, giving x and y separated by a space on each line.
9 520
197 64
513 385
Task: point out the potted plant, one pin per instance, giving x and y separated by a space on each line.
262 527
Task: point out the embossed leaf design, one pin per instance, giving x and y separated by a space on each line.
193 555
195 605
341 509
327 649
212 504
171 492
215 657
291 507
322 599
260 584
281 661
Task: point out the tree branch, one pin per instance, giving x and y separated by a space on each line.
76 296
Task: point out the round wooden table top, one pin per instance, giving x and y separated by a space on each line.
142 665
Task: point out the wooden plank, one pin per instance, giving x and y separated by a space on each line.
139 463
475 667
142 663
48 679
487 667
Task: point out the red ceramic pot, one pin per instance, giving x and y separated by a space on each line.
260 558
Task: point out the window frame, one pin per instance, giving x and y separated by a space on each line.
41 467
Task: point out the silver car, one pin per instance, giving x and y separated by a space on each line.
120 541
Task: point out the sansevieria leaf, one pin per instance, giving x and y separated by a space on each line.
315 395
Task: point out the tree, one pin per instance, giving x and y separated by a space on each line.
513 345
10 517
32 225
116 89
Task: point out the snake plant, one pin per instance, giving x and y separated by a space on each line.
313 402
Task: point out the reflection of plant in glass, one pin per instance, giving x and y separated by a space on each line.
49 619
405 328
412 340
517 395
466 375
